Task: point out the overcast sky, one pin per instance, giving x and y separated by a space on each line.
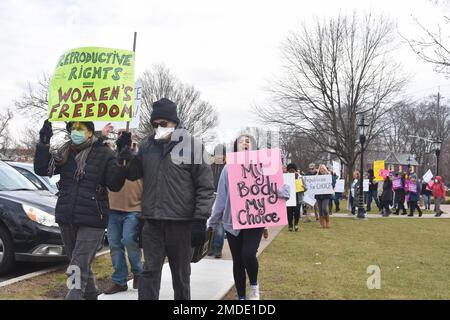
230 50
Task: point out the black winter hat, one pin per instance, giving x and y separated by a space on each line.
291 166
164 109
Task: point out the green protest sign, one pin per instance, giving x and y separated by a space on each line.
92 84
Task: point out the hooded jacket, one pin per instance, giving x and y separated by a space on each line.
439 188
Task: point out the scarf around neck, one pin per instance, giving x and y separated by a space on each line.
60 157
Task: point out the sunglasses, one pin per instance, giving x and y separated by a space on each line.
162 124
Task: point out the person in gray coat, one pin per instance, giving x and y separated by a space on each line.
177 197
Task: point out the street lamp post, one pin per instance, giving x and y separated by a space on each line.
437 144
362 139
409 165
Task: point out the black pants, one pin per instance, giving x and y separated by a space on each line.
400 206
385 207
412 206
171 239
243 250
293 214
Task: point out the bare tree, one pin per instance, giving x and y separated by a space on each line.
198 116
35 100
432 45
411 127
5 135
336 71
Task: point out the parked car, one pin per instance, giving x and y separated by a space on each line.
42 183
28 231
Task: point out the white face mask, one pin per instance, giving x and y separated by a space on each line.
163 133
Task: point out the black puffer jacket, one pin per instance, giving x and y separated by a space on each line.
84 202
173 190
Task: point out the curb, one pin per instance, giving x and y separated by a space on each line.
39 273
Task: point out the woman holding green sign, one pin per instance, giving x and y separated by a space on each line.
87 168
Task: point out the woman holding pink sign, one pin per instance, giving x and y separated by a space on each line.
244 243
414 195
398 184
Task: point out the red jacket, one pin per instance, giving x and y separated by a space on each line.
439 188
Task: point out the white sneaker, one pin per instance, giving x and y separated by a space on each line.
254 292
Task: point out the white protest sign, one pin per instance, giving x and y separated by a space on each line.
319 184
308 198
289 179
340 186
366 185
427 176
134 123
337 169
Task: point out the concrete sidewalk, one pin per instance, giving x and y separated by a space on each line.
375 216
211 278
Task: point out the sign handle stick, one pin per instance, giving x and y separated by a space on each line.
128 122
134 50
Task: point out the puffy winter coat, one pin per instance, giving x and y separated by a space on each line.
84 202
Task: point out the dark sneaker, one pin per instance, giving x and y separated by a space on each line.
115 288
135 282
420 214
218 255
296 228
410 215
290 229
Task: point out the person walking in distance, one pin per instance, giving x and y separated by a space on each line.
439 195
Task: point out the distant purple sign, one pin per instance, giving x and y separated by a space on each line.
412 187
397 184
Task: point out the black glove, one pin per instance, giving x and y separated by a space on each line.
125 155
123 140
198 233
46 132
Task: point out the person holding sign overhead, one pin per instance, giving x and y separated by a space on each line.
244 243
87 169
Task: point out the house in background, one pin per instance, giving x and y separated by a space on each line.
393 161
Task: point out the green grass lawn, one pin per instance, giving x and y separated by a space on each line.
414 257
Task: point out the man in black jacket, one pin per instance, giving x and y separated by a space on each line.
87 168
176 201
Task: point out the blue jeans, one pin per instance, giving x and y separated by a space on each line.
372 195
123 232
427 201
218 239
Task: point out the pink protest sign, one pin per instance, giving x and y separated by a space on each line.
397 184
254 180
412 187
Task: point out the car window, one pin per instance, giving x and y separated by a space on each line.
11 179
30 176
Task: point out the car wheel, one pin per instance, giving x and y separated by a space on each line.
6 251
